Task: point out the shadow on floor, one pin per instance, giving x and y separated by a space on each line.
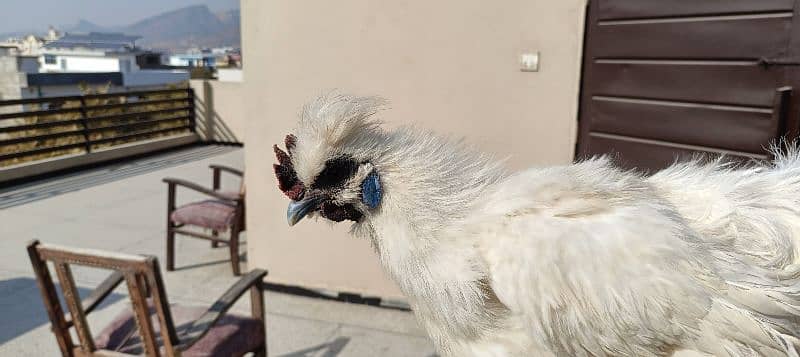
61 184
332 349
22 308
200 265
242 260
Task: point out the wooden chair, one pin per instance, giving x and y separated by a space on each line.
224 212
208 332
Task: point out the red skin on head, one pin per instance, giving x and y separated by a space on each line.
288 182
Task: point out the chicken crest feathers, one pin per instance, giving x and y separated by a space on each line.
327 124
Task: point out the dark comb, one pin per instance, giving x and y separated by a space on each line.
288 182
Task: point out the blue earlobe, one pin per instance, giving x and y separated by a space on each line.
371 191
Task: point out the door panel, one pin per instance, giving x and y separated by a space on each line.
736 85
696 39
648 156
744 128
667 79
625 9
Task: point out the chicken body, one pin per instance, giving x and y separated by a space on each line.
578 260
586 260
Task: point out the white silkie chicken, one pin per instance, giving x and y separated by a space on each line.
578 260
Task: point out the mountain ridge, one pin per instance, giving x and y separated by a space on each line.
193 26
175 30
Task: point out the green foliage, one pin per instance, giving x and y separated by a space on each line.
202 73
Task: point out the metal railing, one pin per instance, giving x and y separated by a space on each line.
36 129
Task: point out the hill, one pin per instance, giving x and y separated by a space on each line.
193 26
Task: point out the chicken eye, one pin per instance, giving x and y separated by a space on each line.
336 172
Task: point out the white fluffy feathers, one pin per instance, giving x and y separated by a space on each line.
578 260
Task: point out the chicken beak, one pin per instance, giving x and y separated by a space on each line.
299 209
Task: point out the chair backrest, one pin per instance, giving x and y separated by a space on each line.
141 274
216 177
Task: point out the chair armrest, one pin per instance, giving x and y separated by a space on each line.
198 188
228 169
197 329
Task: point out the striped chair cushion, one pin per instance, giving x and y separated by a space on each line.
232 335
212 214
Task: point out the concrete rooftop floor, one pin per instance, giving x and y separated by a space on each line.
122 207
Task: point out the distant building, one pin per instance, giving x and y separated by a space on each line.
13 71
194 59
92 52
208 57
31 45
96 59
218 51
152 60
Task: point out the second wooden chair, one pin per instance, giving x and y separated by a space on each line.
224 211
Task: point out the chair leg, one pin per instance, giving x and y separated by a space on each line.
214 243
170 249
233 244
170 226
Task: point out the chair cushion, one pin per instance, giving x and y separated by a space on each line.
212 214
232 335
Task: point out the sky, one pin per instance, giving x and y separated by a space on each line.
29 15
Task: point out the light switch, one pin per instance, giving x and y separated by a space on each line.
529 62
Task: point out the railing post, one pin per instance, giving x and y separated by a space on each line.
192 115
85 123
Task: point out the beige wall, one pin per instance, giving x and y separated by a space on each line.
220 110
451 66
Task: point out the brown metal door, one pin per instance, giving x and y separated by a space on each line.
670 78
